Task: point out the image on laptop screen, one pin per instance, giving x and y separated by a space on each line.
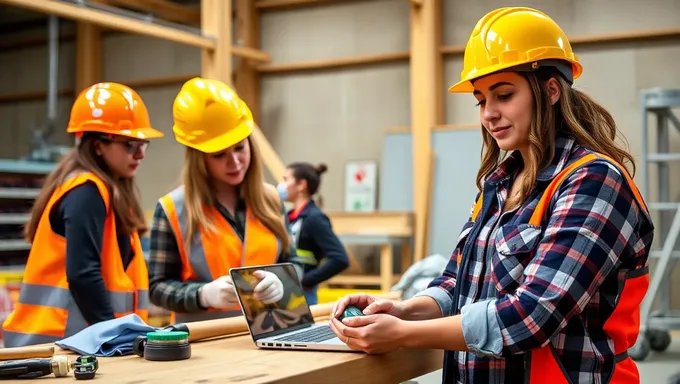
292 310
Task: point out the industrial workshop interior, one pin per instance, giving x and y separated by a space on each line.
331 191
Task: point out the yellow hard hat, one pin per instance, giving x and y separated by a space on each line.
209 116
513 37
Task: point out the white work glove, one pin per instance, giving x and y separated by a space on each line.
270 288
219 293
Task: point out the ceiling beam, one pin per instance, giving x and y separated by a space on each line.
166 10
113 21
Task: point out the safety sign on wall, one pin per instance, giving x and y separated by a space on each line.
361 185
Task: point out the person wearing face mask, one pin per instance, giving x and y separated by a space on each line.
318 247
545 282
86 263
222 216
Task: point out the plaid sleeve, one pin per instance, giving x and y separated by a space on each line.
166 288
593 220
442 288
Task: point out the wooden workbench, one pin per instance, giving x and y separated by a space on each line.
237 360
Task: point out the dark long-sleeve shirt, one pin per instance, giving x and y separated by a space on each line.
79 217
315 237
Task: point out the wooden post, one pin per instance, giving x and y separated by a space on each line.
216 21
248 35
88 56
424 89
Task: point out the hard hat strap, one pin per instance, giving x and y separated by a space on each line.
563 67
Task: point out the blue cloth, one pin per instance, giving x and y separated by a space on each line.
107 338
312 296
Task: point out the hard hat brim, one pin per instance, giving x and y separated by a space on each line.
223 141
137 133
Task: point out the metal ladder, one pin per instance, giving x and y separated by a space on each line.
655 326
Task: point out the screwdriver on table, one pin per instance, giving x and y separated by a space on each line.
84 367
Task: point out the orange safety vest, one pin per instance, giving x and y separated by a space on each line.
46 311
624 323
213 254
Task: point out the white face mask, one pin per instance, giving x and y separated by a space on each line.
282 189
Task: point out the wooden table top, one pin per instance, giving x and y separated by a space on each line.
236 359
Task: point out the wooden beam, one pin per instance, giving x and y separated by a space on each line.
271 5
248 34
335 63
436 128
216 64
113 21
166 10
645 35
176 80
251 53
424 88
88 56
216 22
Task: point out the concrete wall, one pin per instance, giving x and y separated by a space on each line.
346 112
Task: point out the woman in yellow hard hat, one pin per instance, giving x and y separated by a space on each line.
547 277
223 216
86 263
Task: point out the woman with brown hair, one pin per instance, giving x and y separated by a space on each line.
222 216
86 263
547 277
317 245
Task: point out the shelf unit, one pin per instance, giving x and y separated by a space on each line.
655 326
20 183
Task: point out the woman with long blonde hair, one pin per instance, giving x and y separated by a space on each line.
546 280
86 263
223 215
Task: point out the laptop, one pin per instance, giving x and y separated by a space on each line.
288 323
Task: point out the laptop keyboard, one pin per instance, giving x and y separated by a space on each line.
314 335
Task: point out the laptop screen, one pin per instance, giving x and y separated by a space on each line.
266 320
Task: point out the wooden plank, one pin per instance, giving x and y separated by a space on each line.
391 224
88 56
424 52
348 62
167 10
645 35
270 5
113 21
216 22
248 33
134 84
438 127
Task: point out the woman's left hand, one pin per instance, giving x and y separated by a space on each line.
373 334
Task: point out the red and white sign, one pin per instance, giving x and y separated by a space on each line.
361 181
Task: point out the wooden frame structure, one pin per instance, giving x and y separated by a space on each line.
426 57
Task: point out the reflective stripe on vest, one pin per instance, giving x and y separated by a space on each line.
623 324
46 311
211 255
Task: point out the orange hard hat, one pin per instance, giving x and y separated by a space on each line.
516 38
111 108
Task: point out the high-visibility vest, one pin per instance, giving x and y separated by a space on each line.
623 324
211 255
46 311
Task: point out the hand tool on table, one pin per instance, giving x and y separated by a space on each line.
34 351
163 346
84 367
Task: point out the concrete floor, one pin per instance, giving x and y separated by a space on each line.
658 368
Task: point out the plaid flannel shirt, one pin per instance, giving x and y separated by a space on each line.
522 287
166 288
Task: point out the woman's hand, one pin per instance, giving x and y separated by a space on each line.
270 288
373 334
368 304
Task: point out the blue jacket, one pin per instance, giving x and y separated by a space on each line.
322 253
